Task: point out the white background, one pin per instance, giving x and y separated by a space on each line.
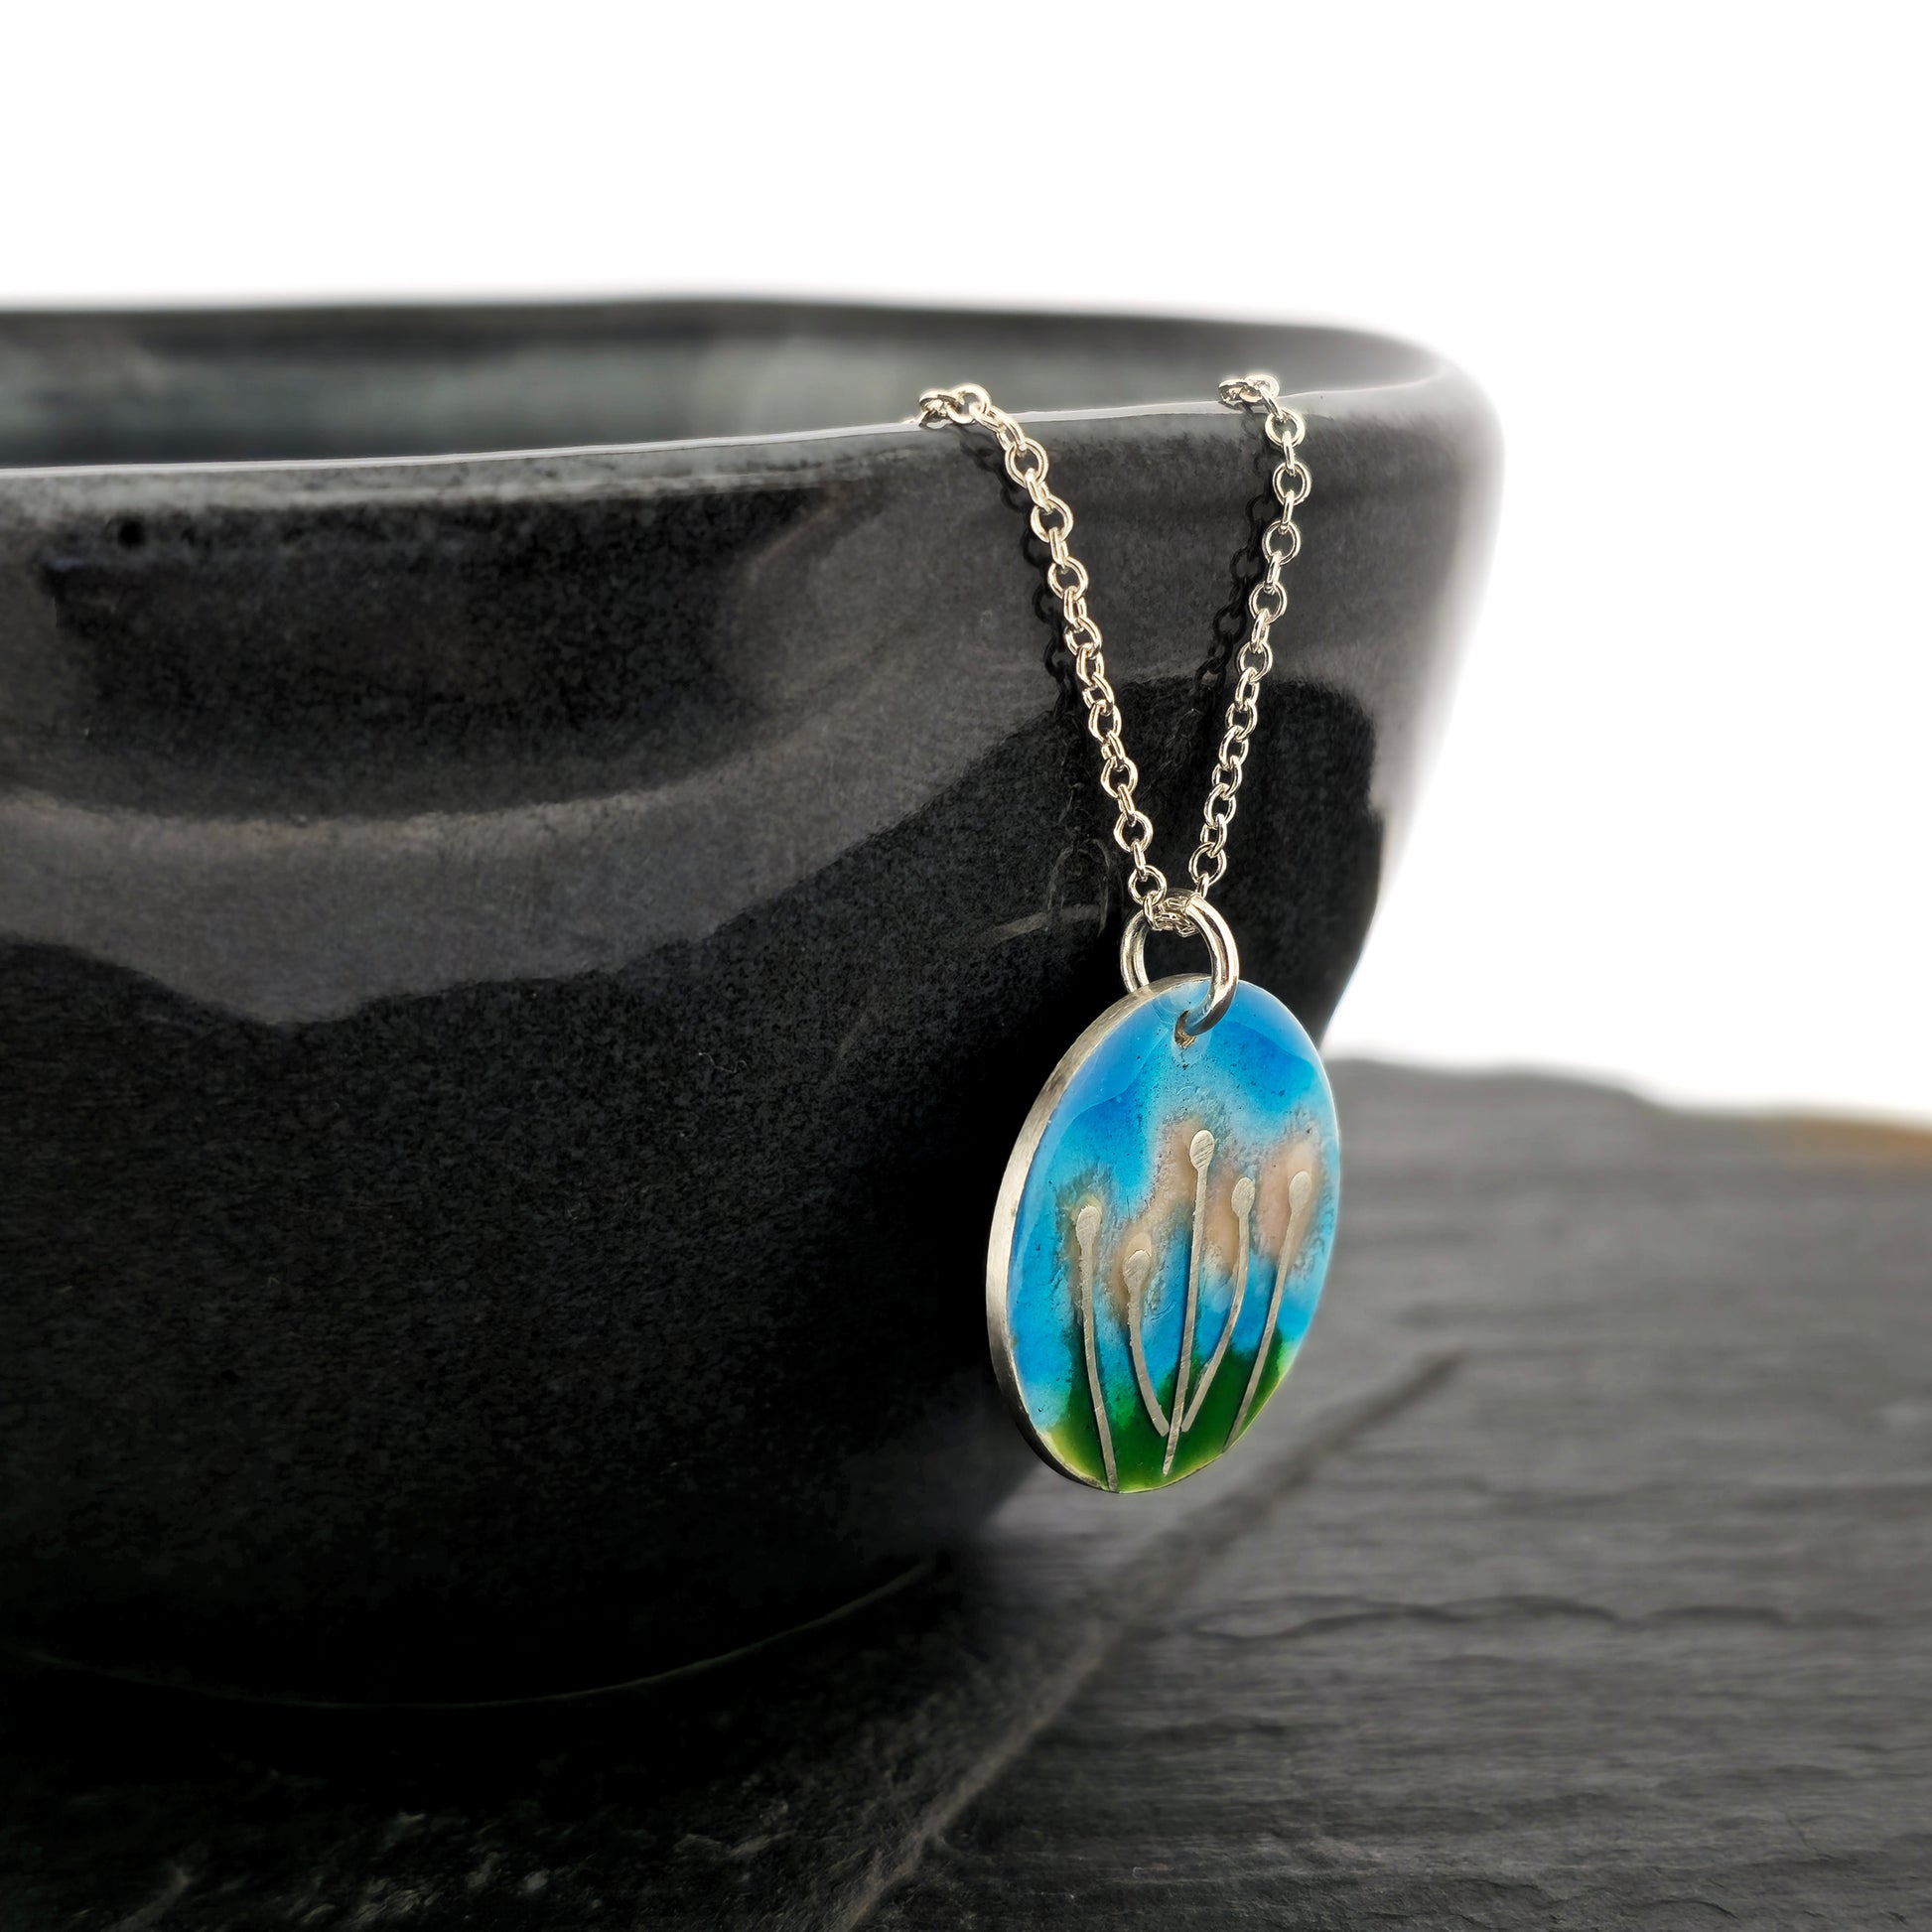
1678 829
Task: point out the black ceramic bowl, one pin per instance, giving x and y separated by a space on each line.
519 972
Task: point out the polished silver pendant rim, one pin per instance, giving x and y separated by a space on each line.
1006 1212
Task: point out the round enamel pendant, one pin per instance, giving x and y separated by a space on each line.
1161 1235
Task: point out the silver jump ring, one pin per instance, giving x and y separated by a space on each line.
1197 911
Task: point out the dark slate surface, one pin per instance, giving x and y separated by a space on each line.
1582 1577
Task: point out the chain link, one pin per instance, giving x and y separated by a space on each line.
1281 543
969 406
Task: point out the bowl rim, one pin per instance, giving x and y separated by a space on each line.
1415 370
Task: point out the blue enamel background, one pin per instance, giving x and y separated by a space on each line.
1254 1082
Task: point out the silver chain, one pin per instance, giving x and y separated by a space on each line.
969 406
